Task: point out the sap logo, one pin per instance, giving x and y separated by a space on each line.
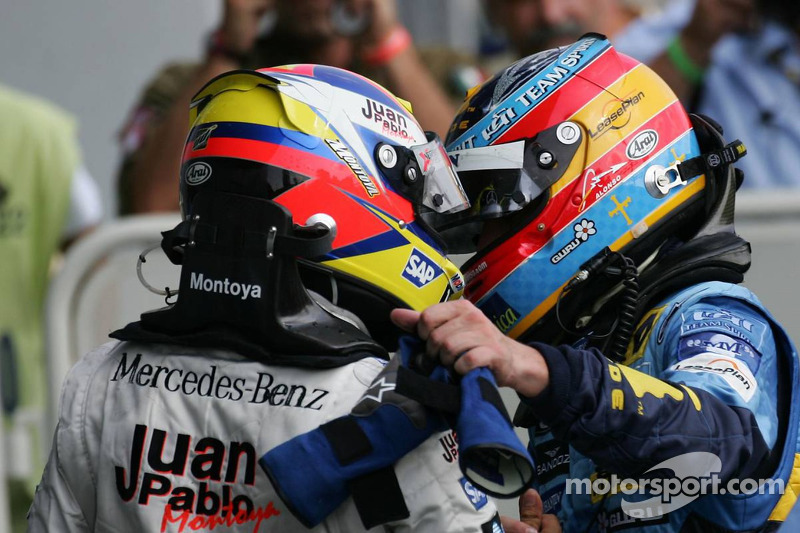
197 173
420 269
641 145
475 496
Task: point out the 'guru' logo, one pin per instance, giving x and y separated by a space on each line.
583 230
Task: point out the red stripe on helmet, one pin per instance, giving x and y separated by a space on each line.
582 87
671 123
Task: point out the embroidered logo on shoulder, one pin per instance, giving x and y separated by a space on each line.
475 496
421 269
711 342
719 318
735 373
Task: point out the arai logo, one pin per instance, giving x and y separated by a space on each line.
197 173
641 145
420 269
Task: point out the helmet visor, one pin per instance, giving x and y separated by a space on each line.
442 191
424 175
504 179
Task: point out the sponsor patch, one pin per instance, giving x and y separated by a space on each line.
262 388
551 499
735 372
720 316
455 286
201 137
552 460
641 145
521 99
493 526
617 520
473 273
343 152
500 312
616 114
197 173
712 342
583 230
475 496
421 269
739 323
457 282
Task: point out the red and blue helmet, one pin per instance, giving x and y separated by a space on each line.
566 156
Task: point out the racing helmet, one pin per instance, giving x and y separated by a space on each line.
578 161
335 149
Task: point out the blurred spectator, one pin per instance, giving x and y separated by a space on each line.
47 199
531 26
360 35
737 61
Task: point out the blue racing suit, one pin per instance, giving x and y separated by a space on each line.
708 370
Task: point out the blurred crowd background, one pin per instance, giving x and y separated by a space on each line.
95 58
94 95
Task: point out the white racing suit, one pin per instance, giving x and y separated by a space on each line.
155 437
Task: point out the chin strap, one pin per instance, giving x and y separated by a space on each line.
240 287
663 179
307 242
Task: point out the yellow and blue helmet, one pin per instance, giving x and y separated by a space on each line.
574 159
337 149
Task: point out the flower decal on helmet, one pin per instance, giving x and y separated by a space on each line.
583 229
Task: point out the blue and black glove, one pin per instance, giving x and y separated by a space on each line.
354 455
315 472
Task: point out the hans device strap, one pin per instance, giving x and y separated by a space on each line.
240 288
